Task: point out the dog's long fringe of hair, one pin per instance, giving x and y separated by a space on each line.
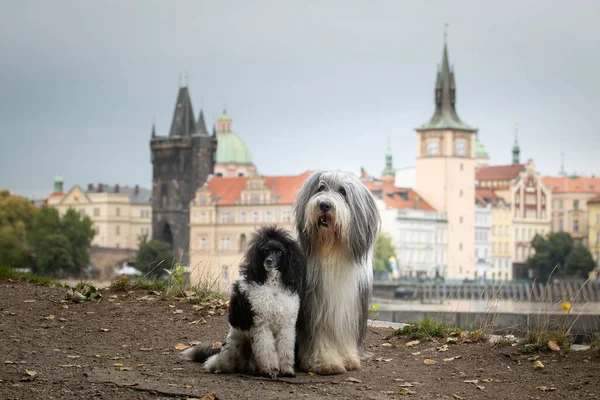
337 285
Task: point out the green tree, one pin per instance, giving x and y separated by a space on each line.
580 261
16 216
558 252
382 252
153 256
61 245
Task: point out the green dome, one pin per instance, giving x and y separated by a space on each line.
480 151
231 149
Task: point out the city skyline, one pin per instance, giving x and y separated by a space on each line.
325 83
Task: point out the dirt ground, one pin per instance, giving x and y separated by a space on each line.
125 348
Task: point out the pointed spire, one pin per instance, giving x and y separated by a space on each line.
516 150
153 129
445 115
184 122
562 164
201 125
388 171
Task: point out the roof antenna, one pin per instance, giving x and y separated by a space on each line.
180 77
187 79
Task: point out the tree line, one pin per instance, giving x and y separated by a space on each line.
41 239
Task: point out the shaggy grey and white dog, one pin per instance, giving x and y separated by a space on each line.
336 221
263 310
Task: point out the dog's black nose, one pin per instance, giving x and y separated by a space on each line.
268 262
325 206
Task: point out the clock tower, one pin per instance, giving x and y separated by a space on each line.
445 172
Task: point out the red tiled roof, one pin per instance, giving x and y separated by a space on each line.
396 197
498 172
486 193
229 190
565 184
594 200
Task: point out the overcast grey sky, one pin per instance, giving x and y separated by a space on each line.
309 84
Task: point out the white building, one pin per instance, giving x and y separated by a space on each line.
417 230
483 238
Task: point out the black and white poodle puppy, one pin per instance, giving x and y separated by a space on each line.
263 310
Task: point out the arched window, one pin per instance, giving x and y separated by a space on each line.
242 243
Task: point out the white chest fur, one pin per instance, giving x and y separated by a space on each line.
272 303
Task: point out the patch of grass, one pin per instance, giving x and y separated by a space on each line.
124 283
537 340
595 345
7 273
426 330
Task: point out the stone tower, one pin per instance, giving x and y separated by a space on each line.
446 173
181 163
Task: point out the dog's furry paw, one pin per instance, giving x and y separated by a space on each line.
328 369
351 363
287 372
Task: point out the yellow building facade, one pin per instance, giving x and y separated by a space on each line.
593 223
121 215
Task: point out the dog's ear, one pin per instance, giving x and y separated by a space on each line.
308 189
366 220
252 266
293 273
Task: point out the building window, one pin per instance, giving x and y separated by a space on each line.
255 217
461 219
506 247
560 225
242 217
597 237
461 166
203 218
96 212
242 244
461 192
118 211
117 230
598 219
268 217
461 147
118 245
202 243
224 245
576 204
433 148
576 225
460 246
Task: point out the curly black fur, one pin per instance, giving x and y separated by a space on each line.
268 237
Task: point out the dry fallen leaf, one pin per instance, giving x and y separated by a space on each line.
104 330
117 365
49 318
480 387
28 301
429 361
181 346
537 366
416 354
311 373
146 348
209 396
475 381
386 345
30 373
124 369
178 312
406 384
546 388
457 397
553 346
451 340
97 355
449 359
443 348
353 380
405 391
412 343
